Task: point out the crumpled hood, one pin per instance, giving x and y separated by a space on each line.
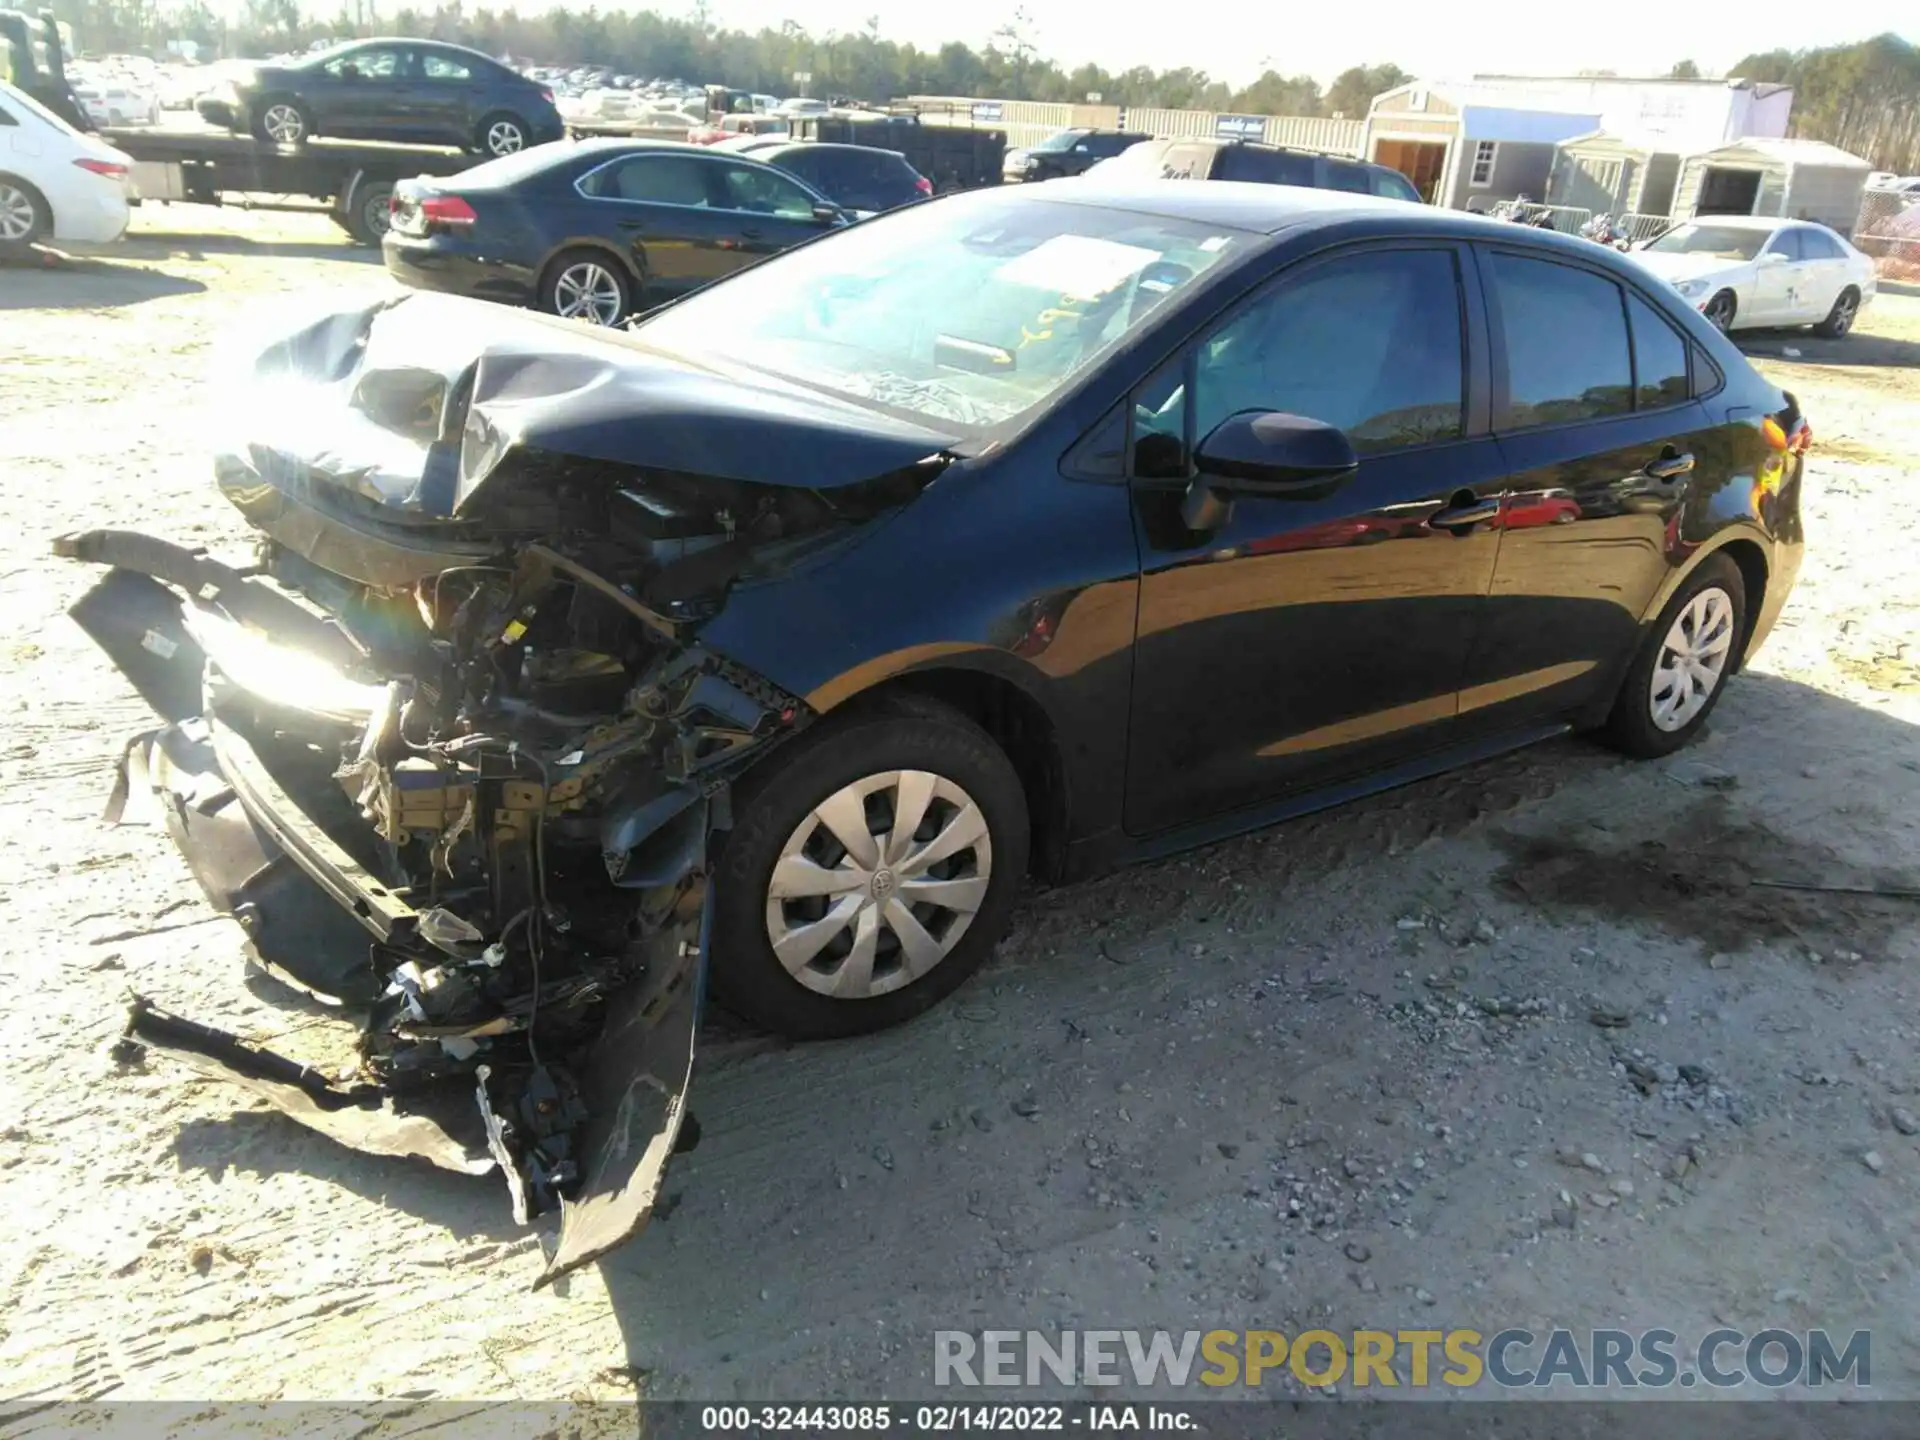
415 403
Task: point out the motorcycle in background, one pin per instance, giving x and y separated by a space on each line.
1602 231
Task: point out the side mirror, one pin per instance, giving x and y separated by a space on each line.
829 215
1265 453
1773 257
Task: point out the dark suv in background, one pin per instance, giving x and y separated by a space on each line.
1071 152
391 90
1262 165
859 178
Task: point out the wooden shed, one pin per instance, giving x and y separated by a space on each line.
1793 179
1615 174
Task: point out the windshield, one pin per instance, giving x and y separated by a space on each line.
1056 144
1730 242
973 310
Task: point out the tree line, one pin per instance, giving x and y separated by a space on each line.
859 62
1863 97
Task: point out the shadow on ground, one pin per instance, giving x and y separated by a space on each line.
196 245
1858 349
55 282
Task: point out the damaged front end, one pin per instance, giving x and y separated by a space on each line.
457 762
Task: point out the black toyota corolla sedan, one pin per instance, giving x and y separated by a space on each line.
395 89
775 642
598 230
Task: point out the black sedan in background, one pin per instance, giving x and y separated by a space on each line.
598 230
418 90
860 178
1071 152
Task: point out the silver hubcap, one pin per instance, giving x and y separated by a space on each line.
377 212
504 137
1843 314
283 123
879 882
16 214
1692 659
587 292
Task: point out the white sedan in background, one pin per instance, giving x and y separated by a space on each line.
55 183
1742 271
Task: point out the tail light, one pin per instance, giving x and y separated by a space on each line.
446 210
923 184
108 169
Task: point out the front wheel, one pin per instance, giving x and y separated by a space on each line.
1721 310
1846 309
587 285
1676 679
869 873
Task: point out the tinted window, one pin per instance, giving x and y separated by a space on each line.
1566 342
1393 185
1268 167
1353 178
1659 358
659 179
763 191
366 65
1787 243
443 67
1109 144
6 119
1370 343
1818 245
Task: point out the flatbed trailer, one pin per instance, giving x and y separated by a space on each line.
349 180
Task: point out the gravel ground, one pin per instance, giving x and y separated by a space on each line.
1347 1073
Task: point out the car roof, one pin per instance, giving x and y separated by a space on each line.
1293 209
773 143
1741 222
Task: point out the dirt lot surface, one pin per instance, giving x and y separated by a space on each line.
1348 1073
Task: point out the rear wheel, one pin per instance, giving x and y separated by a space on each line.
366 214
24 216
587 285
869 873
1676 679
1846 309
502 134
1721 310
284 122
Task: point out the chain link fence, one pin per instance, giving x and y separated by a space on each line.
1888 229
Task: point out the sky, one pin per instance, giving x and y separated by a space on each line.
1434 41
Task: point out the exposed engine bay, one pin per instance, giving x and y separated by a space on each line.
459 762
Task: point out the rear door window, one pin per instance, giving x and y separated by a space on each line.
1351 178
1659 358
1815 245
651 179
1564 331
436 66
763 190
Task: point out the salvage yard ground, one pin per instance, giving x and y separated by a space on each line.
1520 1046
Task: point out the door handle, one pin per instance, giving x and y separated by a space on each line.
750 234
632 227
1670 466
1463 513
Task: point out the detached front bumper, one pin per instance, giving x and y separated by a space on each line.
254 687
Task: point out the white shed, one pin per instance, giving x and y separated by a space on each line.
1793 179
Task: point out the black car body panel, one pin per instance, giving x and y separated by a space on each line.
637 574
393 89
665 213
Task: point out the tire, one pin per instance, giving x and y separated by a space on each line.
283 120
1846 309
25 216
1721 310
1718 629
922 748
502 133
587 285
366 212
